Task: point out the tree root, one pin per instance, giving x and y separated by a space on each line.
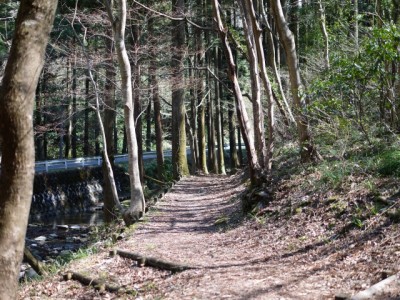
152 262
98 284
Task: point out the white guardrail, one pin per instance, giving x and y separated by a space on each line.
64 164
74 163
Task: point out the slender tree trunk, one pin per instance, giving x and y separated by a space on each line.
218 125
124 142
96 125
272 61
234 160
212 160
240 106
356 30
191 125
68 131
107 164
17 96
257 32
137 99
158 127
307 150
86 146
41 130
74 111
201 114
258 115
179 159
137 204
322 17
157 104
109 125
148 126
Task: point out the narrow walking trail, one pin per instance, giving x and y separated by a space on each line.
199 223
237 261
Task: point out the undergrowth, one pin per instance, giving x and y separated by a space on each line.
355 185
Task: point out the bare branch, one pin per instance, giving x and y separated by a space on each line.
171 17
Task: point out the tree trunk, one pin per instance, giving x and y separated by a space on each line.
272 61
200 94
136 98
109 124
240 106
233 155
148 126
258 116
86 146
257 32
157 106
179 159
355 20
218 125
307 150
17 96
322 16
68 130
191 124
39 119
212 160
137 204
74 138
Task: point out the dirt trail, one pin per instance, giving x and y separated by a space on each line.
237 263
198 223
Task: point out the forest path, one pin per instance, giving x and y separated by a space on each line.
199 223
237 261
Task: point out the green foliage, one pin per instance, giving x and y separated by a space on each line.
335 173
151 169
69 256
389 163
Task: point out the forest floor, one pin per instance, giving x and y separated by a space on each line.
299 246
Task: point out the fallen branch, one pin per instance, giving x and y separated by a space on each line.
379 288
151 261
96 283
155 180
34 262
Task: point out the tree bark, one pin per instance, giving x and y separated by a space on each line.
240 106
74 111
258 116
40 132
68 129
179 159
136 98
109 123
200 93
17 95
218 124
257 32
36 264
137 204
322 17
307 149
148 126
86 146
157 106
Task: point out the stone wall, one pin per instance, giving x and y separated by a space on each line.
72 191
